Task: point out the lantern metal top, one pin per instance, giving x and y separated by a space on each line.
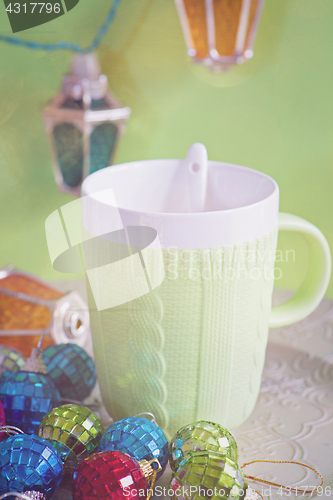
85 94
219 33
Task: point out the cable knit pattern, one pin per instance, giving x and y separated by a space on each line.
194 347
146 338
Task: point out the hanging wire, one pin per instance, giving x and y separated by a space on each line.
278 485
147 413
74 47
151 488
11 430
15 494
40 341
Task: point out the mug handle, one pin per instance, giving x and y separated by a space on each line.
313 289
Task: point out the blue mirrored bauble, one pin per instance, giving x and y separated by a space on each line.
26 397
29 463
71 369
138 437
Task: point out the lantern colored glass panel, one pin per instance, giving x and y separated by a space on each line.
28 307
68 143
219 33
84 123
102 143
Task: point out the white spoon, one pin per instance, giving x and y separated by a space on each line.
196 164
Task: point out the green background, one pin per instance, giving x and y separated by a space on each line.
274 114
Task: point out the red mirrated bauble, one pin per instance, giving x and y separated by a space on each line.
109 475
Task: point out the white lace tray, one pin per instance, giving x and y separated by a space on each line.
293 417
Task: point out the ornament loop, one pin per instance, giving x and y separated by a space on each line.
40 341
147 469
277 485
147 413
150 473
155 461
35 364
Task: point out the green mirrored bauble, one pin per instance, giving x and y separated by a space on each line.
10 359
201 435
73 430
208 474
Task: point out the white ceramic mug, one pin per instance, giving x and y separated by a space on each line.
193 347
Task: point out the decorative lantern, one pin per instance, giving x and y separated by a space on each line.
219 33
28 307
84 123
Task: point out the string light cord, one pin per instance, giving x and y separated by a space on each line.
74 47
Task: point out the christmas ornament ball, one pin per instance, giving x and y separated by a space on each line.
71 369
29 463
109 474
139 437
208 474
72 429
10 359
26 397
202 435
